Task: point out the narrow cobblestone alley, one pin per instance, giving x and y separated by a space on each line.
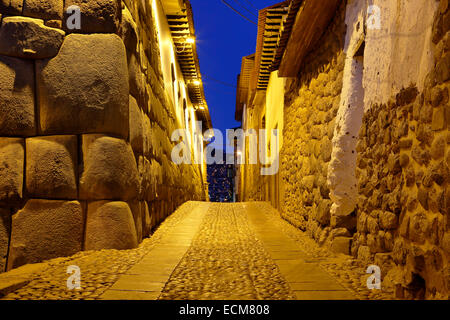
206 251
224 150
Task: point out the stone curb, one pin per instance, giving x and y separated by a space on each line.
15 279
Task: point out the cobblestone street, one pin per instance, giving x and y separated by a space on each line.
288 150
206 251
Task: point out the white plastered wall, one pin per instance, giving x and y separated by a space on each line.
400 53
397 54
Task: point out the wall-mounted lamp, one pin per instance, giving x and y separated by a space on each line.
196 82
190 39
185 41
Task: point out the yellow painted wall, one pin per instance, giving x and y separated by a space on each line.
168 57
274 105
268 104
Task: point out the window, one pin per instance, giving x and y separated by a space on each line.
172 71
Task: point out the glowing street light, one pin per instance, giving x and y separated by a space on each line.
190 40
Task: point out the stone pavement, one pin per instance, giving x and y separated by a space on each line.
146 279
303 273
230 251
208 251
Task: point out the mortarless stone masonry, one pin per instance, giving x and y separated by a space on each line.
94 170
311 105
366 165
404 224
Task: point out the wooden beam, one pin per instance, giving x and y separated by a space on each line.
311 22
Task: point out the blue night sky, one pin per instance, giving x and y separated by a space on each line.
223 38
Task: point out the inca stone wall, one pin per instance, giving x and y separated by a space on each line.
311 105
403 174
399 218
85 124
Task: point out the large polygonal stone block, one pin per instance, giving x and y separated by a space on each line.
43 9
45 229
16 97
84 89
136 79
11 7
136 126
97 16
51 167
144 177
135 207
147 136
110 170
5 229
12 156
147 222
129 31
110 225
29 38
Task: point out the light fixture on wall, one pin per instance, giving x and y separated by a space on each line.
199 106
196 82
185 41
190 39
208 134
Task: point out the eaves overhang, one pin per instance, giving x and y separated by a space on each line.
311 21
270 22
181 22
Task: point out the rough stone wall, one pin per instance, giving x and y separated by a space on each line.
311 104
403 174
397 215
85 124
